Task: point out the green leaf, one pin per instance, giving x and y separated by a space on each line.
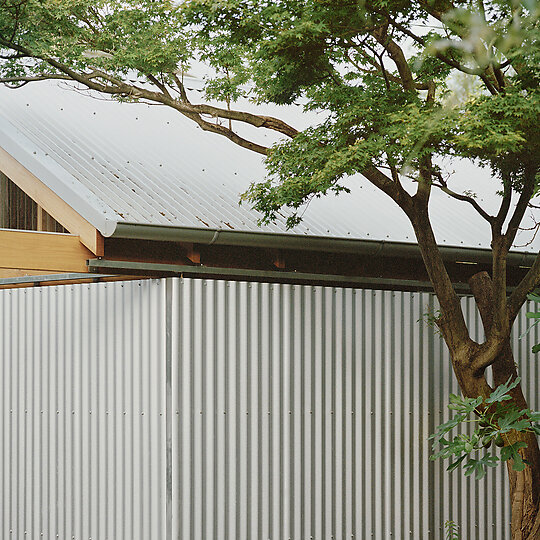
464 405
511 451
514 419
455 464
479 466
447 426
518 464
501 392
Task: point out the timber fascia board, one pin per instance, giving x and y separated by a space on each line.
42 251
54 205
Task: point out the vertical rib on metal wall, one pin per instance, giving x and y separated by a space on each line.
303 413
82 378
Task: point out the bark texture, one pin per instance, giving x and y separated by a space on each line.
524 485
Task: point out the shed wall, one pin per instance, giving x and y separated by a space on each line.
82 420
206 409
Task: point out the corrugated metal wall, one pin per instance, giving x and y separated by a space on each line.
201 409
83 412
303 413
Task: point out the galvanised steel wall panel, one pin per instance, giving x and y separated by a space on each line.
303 413
82 435
193 409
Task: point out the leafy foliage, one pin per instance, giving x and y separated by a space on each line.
493 420
381 110
535 297
452 530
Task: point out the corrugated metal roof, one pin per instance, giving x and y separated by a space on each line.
133 163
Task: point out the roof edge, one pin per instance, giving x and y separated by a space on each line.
371 248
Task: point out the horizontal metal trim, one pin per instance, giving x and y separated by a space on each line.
371 248
51 278
95 265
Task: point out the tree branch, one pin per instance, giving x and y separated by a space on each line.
521 206
17 82
228 133
460 197
115 86
393 189
504 208
452 321
397 55
525 286
482 288
159 84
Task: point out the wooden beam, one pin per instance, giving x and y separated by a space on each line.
278 260
52 203
51 252
20 272
192 253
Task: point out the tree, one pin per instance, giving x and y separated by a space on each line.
381 70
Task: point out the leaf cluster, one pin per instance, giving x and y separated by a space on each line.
534 297
452 530
493 419
120 37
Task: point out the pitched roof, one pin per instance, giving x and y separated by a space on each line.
134 165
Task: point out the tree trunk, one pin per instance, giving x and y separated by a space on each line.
524 485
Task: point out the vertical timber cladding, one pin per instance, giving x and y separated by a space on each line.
303 413
82 402
294 412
